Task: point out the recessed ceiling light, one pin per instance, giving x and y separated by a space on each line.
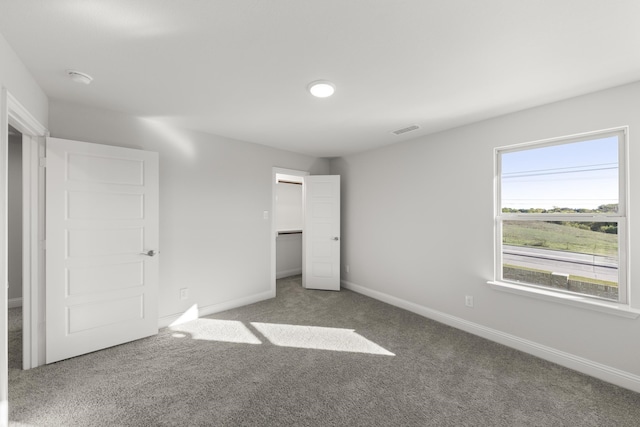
79 77
321 88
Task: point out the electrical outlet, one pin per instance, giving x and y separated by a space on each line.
468 301
184 293
347 268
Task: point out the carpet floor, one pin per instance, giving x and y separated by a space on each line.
311 358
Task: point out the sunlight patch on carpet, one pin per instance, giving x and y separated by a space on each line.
319 338
189 315
215 330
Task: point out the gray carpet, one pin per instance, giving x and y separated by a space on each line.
15 338
314 358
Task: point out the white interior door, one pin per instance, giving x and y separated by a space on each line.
321 235
102 238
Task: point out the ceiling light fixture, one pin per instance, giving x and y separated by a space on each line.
321 88
79 77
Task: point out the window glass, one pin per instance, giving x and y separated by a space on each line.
576 177
560 217
574 256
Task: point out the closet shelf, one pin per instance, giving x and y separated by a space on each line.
281 232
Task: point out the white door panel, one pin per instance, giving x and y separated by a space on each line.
89 205
102 215
321 237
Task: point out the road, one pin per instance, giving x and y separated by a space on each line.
593 266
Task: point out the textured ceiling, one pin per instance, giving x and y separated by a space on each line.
240 68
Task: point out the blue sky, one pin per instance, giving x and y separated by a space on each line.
575 175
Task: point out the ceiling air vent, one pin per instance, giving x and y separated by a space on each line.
405 130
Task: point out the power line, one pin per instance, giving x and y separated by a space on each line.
524 175
563 168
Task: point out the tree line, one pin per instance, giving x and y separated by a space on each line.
601 227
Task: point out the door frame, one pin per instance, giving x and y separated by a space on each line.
274 233
33 251
13 113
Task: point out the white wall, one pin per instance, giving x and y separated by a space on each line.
417 228
288 206
15 77
213 191
17 80
288 255
14 217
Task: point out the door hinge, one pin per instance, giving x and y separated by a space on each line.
43 245
43 162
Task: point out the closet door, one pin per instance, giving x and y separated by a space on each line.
321 237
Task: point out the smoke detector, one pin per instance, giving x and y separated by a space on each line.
79 77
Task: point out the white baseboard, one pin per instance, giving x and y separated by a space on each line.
577 363
287 273
217 308
14 302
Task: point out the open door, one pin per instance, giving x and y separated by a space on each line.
101 247
321 236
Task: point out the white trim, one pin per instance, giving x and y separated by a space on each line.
287 273
30 252
217 308
14 302
32 210
21 119
561 139
28 273
14 114
598 370
33 279
621 218
573 300
285 171
4 338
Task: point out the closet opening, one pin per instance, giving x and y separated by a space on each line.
289 220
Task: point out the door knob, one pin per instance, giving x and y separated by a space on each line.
336 238
150 253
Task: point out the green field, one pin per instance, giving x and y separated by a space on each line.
547 235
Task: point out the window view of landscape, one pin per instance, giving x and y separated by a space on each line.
564 255
560 217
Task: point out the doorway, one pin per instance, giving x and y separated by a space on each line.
14 248
13 114
287 223
288 214
318 226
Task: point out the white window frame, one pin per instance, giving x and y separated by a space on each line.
620 307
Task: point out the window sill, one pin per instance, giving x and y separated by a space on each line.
607 307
